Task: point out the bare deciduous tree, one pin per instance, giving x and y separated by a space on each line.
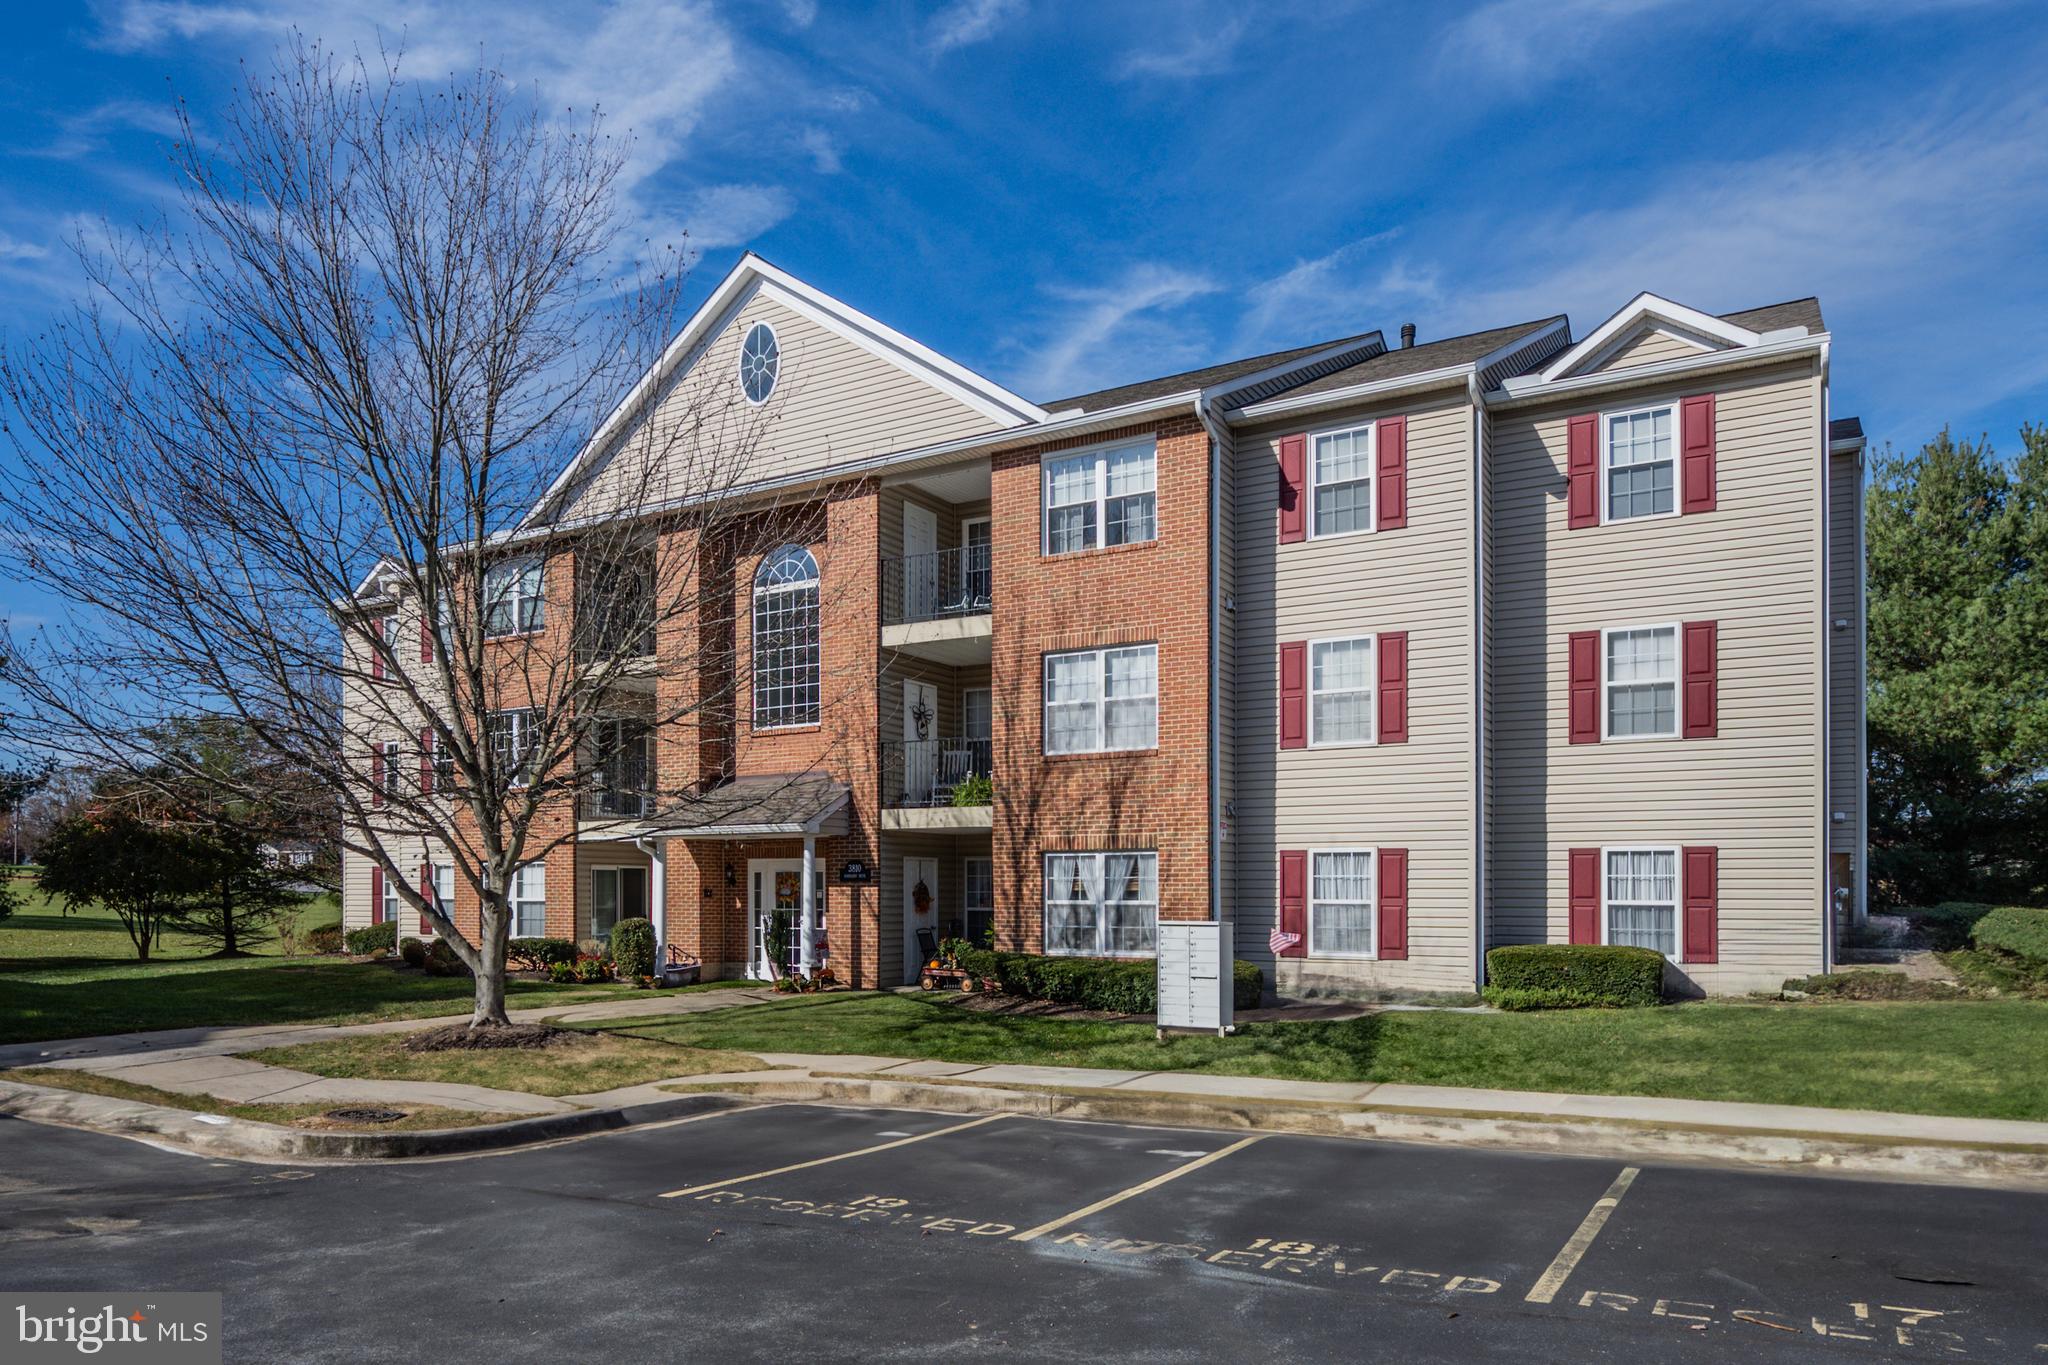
290 462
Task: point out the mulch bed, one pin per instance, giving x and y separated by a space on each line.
451 1037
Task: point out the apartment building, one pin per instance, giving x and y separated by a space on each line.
1388 654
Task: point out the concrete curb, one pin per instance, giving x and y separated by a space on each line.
219 1135
1933 1163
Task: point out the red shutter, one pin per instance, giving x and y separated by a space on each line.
376 654
426 894
1390 446
1702 905
1294 695
1582 708
1584 893
1293 489
1393 929
426 639
1393 689
1294 900
427 761
1696 450
377 775
376 895
1702 683
1582 470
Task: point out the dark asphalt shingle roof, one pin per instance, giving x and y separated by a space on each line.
1430 355
751 803
1845 429
1186 380
1793 313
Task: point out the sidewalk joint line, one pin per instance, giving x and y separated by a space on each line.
828 1160
1033 1234
1552 1279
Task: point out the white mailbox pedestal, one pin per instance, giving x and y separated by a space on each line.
1195 975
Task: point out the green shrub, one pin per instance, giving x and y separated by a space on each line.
440 960
561 973
326 939
1096 983
1947 926
978 790
2017 932
413 951
593 969
1873 985
1573 976
633 947
538 954
372 937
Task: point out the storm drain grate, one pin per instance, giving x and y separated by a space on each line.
366 1115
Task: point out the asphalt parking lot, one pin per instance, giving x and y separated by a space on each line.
836 1233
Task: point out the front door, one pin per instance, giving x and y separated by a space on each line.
775 894
920 562
920 912
920 741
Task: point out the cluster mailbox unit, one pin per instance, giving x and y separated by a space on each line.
1195 975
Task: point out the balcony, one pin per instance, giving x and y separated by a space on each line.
622 787
936 605
937 784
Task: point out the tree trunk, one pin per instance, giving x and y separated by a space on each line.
227 922
489 966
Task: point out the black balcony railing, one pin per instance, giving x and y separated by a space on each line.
932 587
936 772
623 785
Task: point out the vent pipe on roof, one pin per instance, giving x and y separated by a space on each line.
1407 335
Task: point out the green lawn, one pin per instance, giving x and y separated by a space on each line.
577 1067
1978 1058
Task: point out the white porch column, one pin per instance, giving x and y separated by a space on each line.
807 936
657 898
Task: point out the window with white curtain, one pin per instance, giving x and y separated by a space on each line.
1341 475
1642 682
1101 904
512 739
1340 691
1642 898
786 650
530 901
1340 918
1100 700
1641 465
512 597
1102 497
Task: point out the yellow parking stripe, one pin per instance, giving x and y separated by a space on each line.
1032 1234
828 1160
1568 1258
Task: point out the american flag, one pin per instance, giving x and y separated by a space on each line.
1280 941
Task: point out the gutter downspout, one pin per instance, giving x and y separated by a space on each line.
1827 471
1480 803
1862 702
1216 661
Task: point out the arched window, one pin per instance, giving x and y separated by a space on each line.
786 639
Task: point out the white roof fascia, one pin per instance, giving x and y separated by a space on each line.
1643 307
1515 395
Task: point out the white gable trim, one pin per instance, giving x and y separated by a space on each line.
742 282
1689 323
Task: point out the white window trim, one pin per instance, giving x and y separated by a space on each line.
989 522
522 741
1677 891
1372 691
1606 461
1102 923
1372 908
1677 683
517 566
513 900
1372 479
1101 451
1102 700
817 584
390 787
739 363
394 904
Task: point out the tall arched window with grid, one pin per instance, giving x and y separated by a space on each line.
786 639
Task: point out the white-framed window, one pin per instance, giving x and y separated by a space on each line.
1102 700
1340 904
1639 670
1340 465
442 888
1639 463
760 363
1101 904
511 735
1106 496
387 770
1340 683
786 650
529 901
978 899
1639 898
512 597
441 763
393 901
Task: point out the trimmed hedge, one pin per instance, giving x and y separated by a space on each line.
538 954
1535 976
413 951
2017 932
1948 925
1098 983
632 947
442 961
371 937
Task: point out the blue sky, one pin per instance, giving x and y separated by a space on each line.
1070 195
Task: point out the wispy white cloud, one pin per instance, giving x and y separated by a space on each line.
85 132
823 148
1202 51
802 13
965 22
734 215
1101 335
1342 291
13 248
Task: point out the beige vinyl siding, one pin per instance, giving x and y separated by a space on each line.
1754 566
833 402
1416 795
1648 347
1845 672
951 852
